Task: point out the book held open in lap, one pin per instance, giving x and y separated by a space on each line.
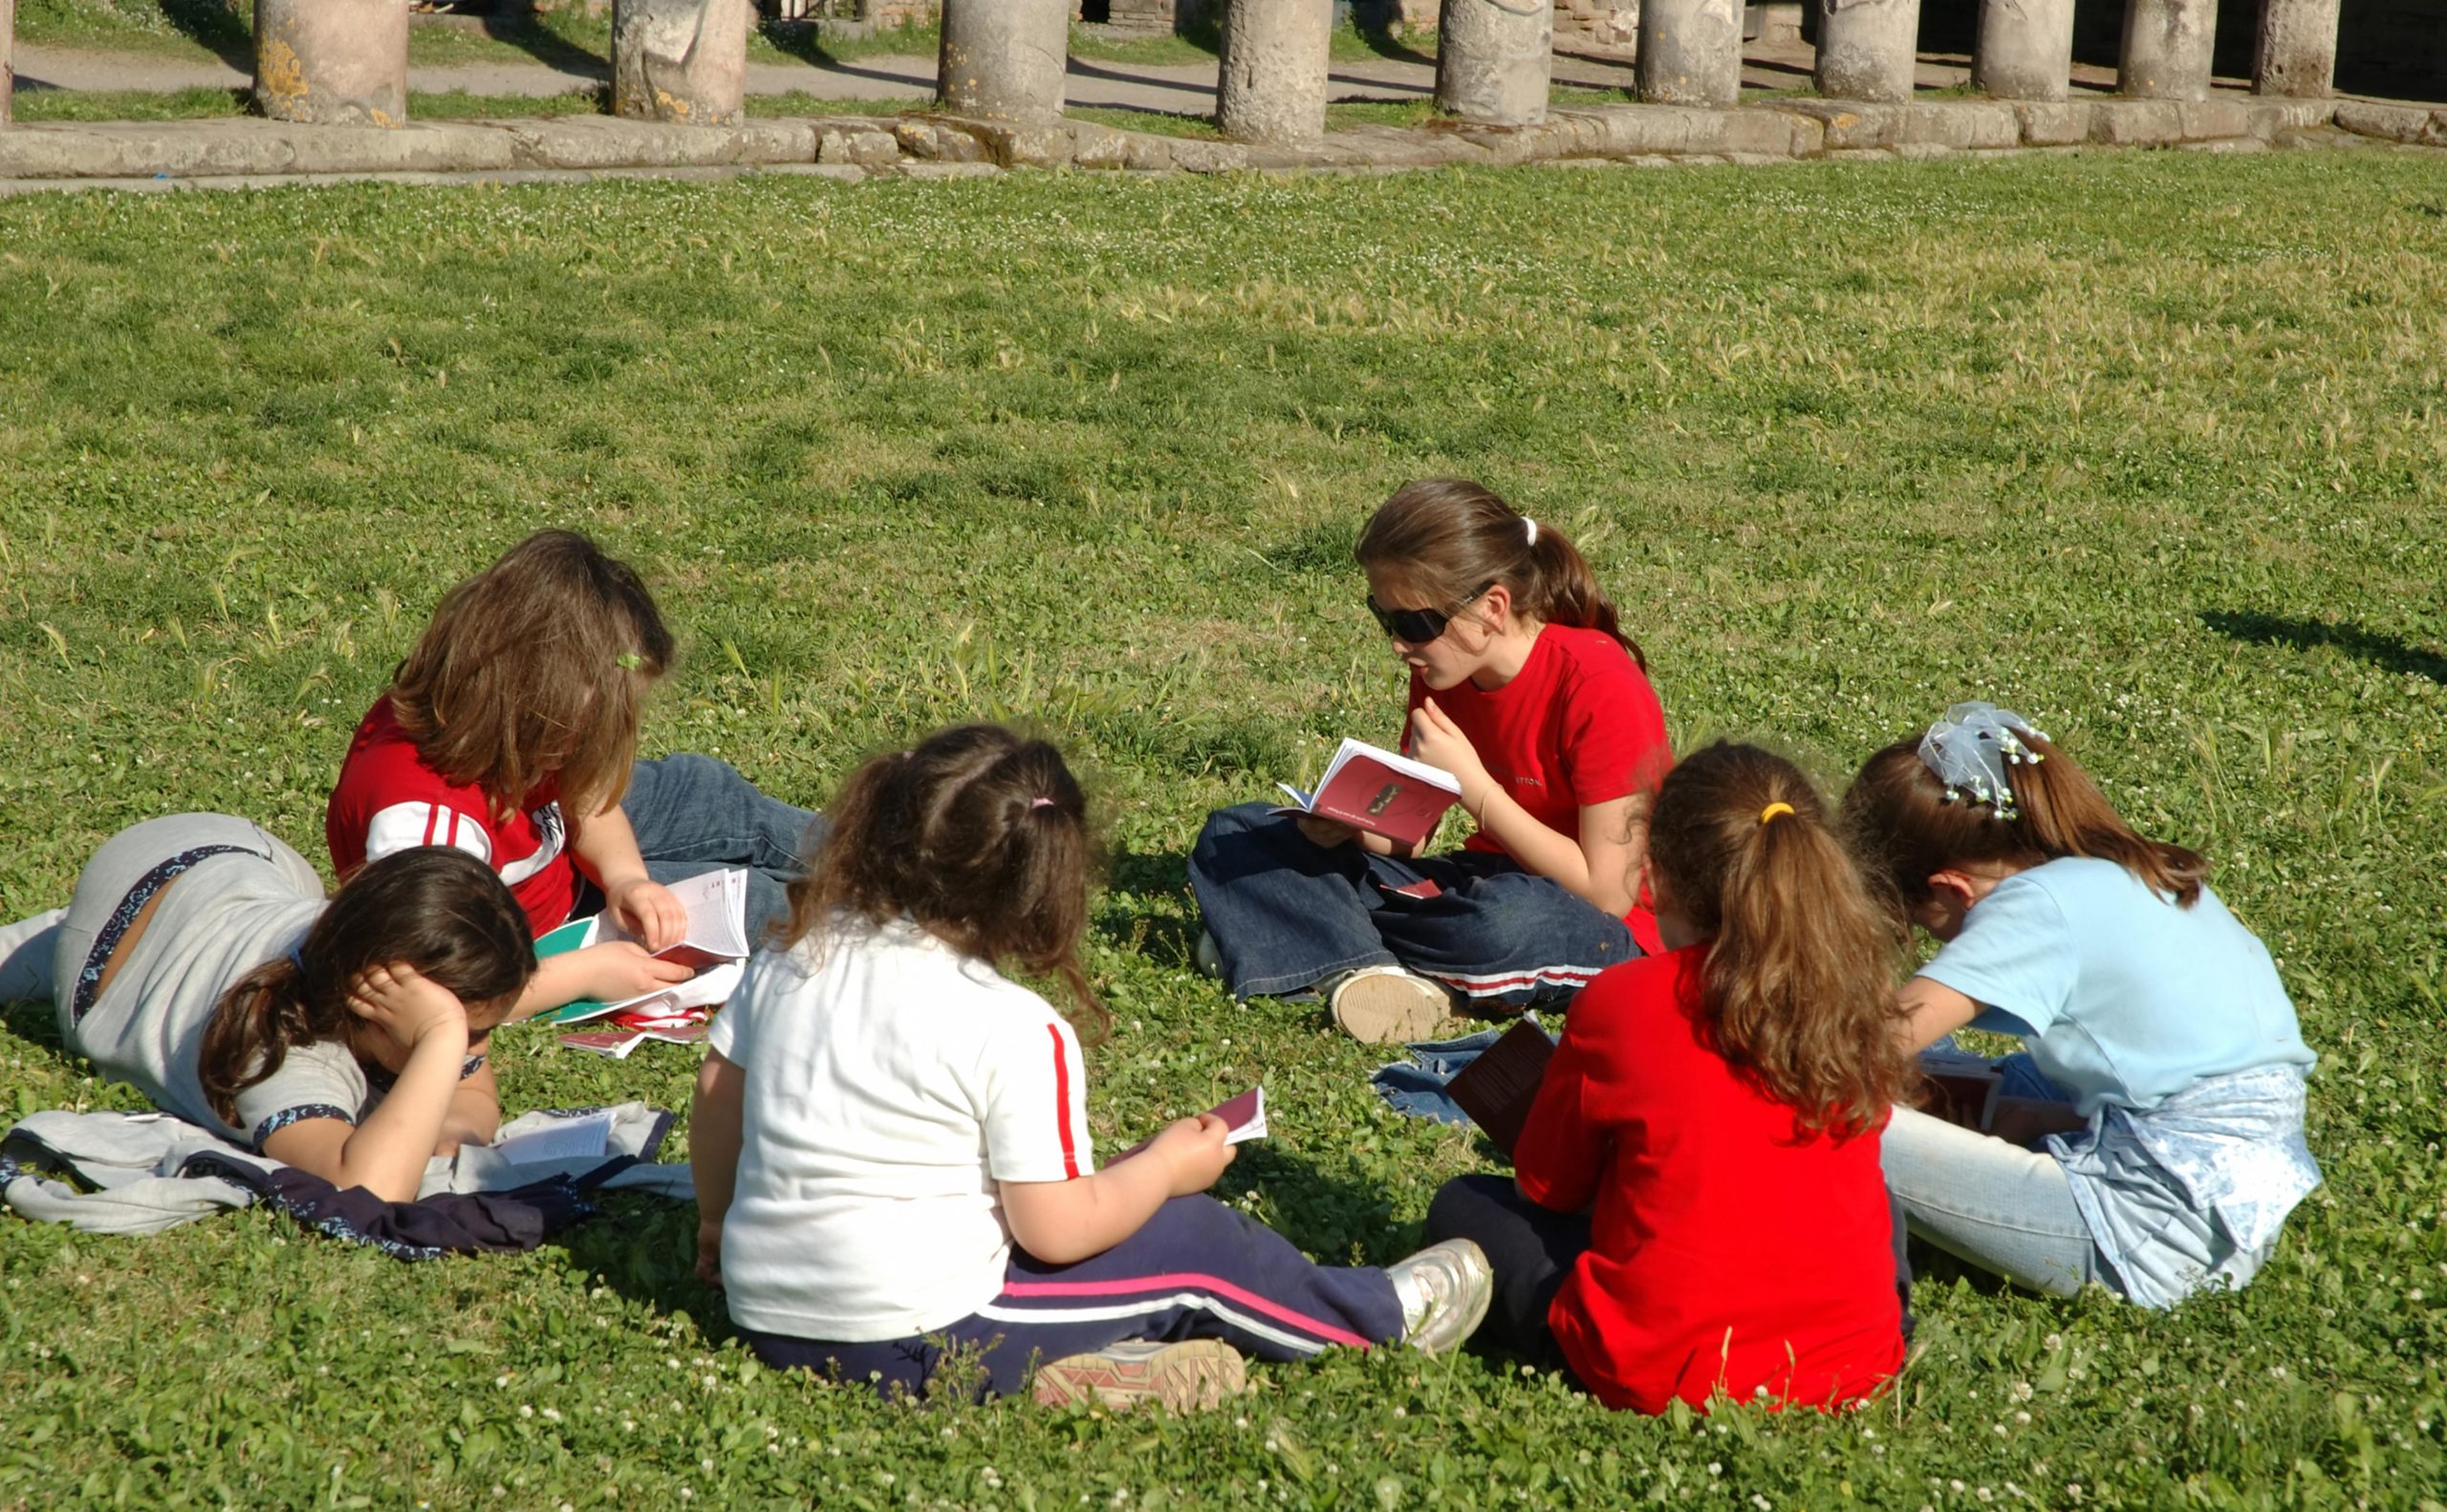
1369 788
715 944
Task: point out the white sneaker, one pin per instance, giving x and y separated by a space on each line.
1208 957
1386 1006
1190 1375
1445 1290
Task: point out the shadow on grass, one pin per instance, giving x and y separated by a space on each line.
2279 630
217 24
36 1022
645 1248
1158 934
543 45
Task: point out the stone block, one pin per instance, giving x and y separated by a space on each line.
864 146
2054 124
949 170
1011 145
1962 124
1098 147
1860 155
2135 122
2213 119
1770 134
1146 154
1193 156
2271 115
1671 129
2391 123
1923 151
1849 125
607 142
2223 144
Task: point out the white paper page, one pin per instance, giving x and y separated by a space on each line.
717 905
1416 770
578 1139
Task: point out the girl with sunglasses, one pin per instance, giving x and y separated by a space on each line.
1524 687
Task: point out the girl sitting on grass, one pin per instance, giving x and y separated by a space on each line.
509 731
1525 688
201 963
891 1136
2153 1019
1698 1208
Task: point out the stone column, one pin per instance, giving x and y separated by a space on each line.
684 61
1690 51
1271 82
1494 59
2024 49
1867 49
2166 48
1004 60
7 59
332 62
2296 52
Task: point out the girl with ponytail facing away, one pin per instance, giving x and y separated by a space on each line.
2155 1025
1526 688
201 963
1698 1205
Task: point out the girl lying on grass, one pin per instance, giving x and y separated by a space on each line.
201 963
2153 1018
509 731
891 1137
1527 691
1698 1207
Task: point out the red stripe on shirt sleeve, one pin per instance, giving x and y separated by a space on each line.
1061 1105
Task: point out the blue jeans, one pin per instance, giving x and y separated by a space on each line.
1995 1204
694 814
1288 913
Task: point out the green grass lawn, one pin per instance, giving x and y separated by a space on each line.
2148 446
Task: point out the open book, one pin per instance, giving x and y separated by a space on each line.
715 944
1374 789
1498 1089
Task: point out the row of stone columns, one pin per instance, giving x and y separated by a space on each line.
346 61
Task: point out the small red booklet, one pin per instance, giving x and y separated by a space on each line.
1245 1117
1374 789
1498 1089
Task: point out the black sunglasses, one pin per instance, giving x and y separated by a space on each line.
1417 627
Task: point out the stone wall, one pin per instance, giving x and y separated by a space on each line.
1598 23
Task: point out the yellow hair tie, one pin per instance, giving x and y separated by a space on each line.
1772 809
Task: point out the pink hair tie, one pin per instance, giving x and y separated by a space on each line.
1034 804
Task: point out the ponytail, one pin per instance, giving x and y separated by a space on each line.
251 1029
1450 537
1904 824
1799 986
978 833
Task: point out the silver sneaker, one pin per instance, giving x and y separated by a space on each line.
1444 1289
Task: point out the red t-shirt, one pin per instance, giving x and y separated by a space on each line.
1578 727
1724 1248
388 799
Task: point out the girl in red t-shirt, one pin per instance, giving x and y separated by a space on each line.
1521 685
510 732
1699 1208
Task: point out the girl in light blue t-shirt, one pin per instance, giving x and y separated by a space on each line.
2150 1015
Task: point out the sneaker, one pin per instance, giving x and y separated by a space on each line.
1187 1376
1387 1005
1208 956
1444 1289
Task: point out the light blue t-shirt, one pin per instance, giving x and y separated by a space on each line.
2121 996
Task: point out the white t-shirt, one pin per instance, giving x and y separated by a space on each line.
891 1082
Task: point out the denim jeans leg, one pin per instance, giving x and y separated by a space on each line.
1285 914
1499 937
694 814
1997 1205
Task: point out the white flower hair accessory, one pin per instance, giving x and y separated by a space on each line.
1970 748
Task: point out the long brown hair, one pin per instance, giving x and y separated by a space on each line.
1449 537
434 907
1902 824
536 667
1800 980
980 835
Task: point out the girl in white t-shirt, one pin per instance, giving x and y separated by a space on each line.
891 1137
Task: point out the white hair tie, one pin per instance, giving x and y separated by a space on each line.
1533 528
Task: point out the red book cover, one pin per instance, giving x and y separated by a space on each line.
1374 789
